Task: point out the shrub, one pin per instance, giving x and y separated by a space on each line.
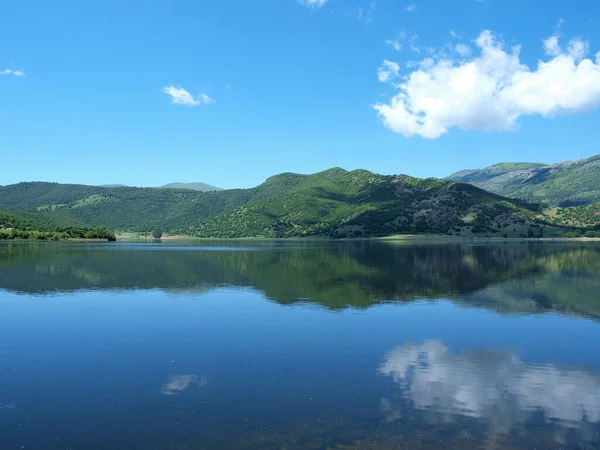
572 234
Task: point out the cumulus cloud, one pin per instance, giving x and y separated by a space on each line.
551 46
495 386
316 4
15 73
179 96
491 90
388 71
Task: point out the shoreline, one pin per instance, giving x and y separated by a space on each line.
408 237
55 241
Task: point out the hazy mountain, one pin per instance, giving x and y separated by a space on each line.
202 187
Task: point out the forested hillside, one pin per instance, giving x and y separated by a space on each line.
333 203
570 183
37 227
338 203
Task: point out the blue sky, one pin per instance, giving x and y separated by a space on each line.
145 92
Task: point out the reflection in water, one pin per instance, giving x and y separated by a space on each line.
298 378
513 277
495 386
179 383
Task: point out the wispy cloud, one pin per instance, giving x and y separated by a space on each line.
395 44
314 4
364 14
463 50
490 90
15 73
411 8
179 96
388 71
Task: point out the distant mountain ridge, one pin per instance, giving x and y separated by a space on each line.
568 183
202 187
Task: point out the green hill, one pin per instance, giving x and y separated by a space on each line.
119 208
334 203
337 203
570 183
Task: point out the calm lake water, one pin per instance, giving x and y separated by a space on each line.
289 345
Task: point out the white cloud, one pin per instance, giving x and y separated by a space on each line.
412 7
494 386
388 71
16 73
551 46
412 44
463 50
363 14
316 4
395 44
179 96
490 91
578 48
205 99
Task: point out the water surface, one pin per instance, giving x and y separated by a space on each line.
299 345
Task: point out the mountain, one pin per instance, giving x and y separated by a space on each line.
202 187
332 203
338 203
569 183
118 208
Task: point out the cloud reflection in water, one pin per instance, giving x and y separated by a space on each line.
492 385
179 383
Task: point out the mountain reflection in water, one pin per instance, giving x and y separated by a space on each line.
510 277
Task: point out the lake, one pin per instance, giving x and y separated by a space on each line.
300 344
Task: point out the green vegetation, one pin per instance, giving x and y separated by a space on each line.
156 234
334 203
342 204
15 226
564 184
578 216
128 208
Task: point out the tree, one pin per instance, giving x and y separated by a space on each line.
156 234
